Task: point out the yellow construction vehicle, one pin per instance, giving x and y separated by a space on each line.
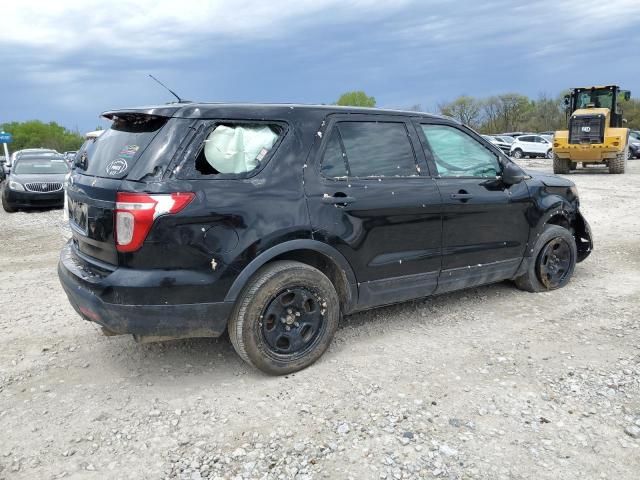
595 133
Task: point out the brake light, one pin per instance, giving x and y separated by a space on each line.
136 212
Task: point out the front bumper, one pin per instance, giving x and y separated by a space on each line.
33 199
89 289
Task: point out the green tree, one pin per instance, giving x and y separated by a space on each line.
356 99
36 134
465 109
506 112
631 111
546 114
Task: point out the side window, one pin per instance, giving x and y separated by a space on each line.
456 154
334 159
371 149
526 139
236 148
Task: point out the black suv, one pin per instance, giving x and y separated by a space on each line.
273 220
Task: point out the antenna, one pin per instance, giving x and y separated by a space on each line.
180 100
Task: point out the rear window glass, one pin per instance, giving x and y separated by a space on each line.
118 148
236 149
40 166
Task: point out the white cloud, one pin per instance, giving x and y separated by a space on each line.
143 28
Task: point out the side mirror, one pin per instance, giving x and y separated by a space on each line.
512 174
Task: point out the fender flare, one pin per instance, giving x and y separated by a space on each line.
290 246
559 208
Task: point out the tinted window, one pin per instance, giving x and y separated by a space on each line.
525 138
377 149
118 148
456 154
333 160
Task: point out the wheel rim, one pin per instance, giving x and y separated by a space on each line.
292 321
549 154
517 154
554 262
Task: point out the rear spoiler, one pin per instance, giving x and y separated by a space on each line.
156 111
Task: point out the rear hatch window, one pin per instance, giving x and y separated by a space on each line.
117 150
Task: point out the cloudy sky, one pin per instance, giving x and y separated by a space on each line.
69 60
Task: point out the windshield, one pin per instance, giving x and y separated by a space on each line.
40 166
597 98
114 152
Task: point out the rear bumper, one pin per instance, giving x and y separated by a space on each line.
87 290
33 199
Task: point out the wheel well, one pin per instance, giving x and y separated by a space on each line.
327 266
559 220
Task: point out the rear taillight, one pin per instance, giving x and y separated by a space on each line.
136 212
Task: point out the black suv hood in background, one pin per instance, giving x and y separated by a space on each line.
39 177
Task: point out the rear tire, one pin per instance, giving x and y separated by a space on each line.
561 165
619 164
285 318
552 263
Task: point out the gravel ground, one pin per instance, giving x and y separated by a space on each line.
488 383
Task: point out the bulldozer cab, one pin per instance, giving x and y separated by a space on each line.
609 97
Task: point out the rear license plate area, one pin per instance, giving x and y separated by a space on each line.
78 217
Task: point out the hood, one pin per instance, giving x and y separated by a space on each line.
39 177
549 180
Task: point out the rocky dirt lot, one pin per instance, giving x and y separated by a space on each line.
488 383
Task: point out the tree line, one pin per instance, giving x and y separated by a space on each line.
508 112
36 134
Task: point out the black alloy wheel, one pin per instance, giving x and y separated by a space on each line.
554 263
292 321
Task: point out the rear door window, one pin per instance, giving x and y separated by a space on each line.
369 149
119 148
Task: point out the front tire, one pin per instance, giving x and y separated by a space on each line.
549 154
285 318
7 207
561 165
517 153
553 261
618 165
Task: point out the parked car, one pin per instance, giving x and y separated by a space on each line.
532 146
516 134
30 152
501 144
275 220
634 144
505 138
34 181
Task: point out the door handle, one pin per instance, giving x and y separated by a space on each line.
338 199
462 195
